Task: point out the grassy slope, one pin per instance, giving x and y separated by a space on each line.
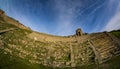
15 37
8 61
116 33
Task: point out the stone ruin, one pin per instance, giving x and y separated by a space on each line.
79 32
80 50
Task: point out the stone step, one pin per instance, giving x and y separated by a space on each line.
96 36
106 49
103 46
101 43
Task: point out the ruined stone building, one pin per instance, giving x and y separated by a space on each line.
79 32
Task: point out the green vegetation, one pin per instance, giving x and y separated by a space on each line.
15 38
116 33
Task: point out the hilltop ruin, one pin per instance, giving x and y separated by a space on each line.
79 32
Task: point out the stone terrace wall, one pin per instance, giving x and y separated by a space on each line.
44 37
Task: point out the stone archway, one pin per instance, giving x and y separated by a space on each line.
79 32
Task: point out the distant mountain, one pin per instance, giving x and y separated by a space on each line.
22 48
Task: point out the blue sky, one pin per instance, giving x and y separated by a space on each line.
63 17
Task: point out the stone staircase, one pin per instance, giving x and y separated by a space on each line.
105 45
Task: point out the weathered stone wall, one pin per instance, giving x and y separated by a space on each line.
50 38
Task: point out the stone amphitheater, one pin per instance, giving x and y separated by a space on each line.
63 51
102 45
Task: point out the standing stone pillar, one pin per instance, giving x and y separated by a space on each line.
72 56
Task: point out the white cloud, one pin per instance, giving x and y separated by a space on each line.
114 23
66 12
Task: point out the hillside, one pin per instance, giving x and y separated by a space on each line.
22 48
